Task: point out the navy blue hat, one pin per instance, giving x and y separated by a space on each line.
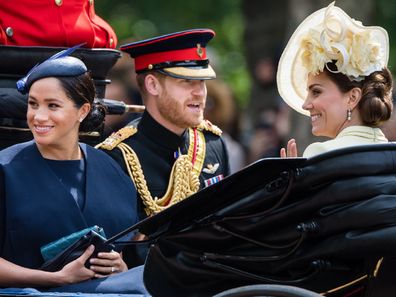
60 64
181 54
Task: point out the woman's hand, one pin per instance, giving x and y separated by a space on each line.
75 271
107 263
140 237
291 151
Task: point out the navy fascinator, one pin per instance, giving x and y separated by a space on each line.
60 64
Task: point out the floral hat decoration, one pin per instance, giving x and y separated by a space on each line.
327 35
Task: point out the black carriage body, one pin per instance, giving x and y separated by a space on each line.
326 224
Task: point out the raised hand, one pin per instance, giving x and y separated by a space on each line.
291 151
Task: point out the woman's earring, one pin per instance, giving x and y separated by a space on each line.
81 119
349 115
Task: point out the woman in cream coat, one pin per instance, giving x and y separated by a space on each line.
334 70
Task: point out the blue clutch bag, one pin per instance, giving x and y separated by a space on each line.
54 248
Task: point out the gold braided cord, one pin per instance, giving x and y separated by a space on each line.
378 267
345 285
116 137
200 152
179 186
366 276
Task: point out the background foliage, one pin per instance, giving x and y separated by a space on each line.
385 16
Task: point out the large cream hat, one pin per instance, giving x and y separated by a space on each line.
329 34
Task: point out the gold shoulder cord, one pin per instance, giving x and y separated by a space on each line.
208 126
117 137
184 177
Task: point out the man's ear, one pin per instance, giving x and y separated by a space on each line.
354 97
152 84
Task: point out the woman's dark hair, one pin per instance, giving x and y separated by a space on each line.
375 106
81 89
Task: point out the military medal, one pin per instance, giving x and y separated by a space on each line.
213 180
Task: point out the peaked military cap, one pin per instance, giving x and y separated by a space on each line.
181 54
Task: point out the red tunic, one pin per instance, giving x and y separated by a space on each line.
61 23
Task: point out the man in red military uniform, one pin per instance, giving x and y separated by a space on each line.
54 23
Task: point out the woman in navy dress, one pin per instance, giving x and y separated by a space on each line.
53 185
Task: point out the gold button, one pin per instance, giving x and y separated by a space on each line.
90 2
59 2
9 31
111 41
150 66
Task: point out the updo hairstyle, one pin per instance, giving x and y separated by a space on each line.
375 106
81 89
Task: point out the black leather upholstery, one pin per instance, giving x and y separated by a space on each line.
317 224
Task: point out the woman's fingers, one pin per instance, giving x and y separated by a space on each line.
290 151
289 147
102 271
76 271
283 153
107 263
87 253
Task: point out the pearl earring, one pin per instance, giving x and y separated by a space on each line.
349 115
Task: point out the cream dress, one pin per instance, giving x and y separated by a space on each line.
350 136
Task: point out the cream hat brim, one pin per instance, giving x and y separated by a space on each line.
292 75
195 73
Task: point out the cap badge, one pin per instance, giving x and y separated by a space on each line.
199 50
